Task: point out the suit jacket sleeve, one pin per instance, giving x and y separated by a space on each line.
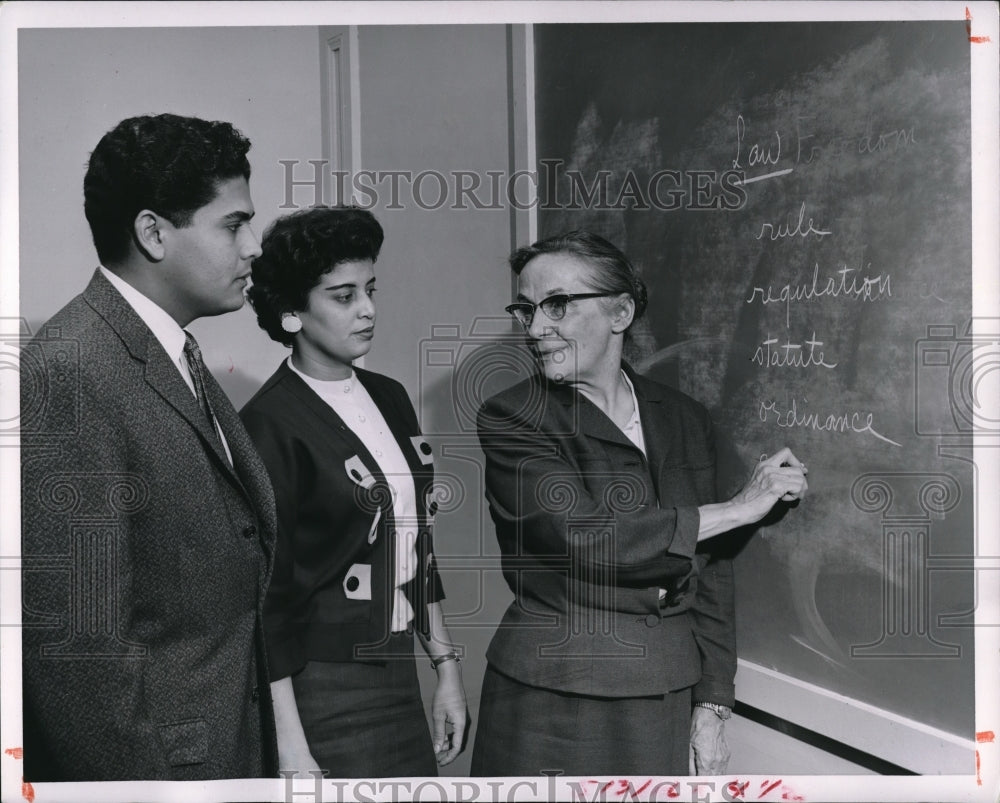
282 626
713 617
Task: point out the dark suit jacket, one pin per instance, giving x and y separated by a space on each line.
590 531
331 595
146 556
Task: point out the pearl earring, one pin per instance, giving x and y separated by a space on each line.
291 323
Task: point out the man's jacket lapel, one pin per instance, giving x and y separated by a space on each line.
159 372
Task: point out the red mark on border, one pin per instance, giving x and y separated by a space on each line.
772 787
979 776
27 790
976 40
984 737
624 787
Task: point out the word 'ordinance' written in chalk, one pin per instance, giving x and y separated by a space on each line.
851 421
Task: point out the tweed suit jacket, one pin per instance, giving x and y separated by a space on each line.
590 530
146 557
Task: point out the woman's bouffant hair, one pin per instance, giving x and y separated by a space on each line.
612 272
298 249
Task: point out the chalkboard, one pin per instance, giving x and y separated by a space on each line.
797 198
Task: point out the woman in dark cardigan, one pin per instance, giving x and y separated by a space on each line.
354 573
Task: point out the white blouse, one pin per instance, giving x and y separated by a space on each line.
633 431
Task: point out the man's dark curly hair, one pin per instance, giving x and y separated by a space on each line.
169 164
298 249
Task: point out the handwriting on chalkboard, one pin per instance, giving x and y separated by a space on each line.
808 146
790 355
777 232
851 284
849 421
758 154
801 144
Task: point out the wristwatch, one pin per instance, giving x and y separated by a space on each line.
723 712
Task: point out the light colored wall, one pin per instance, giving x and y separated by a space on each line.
76 84
435 98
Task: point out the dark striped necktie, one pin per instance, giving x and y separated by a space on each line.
196 365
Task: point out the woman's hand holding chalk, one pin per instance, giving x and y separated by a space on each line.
778 476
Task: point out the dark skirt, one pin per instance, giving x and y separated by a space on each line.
524 730
365 720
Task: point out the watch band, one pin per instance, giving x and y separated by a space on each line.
448 656
723 712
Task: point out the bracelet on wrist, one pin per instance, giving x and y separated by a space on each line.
448 656
723 712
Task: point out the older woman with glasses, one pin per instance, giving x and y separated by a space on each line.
617 653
